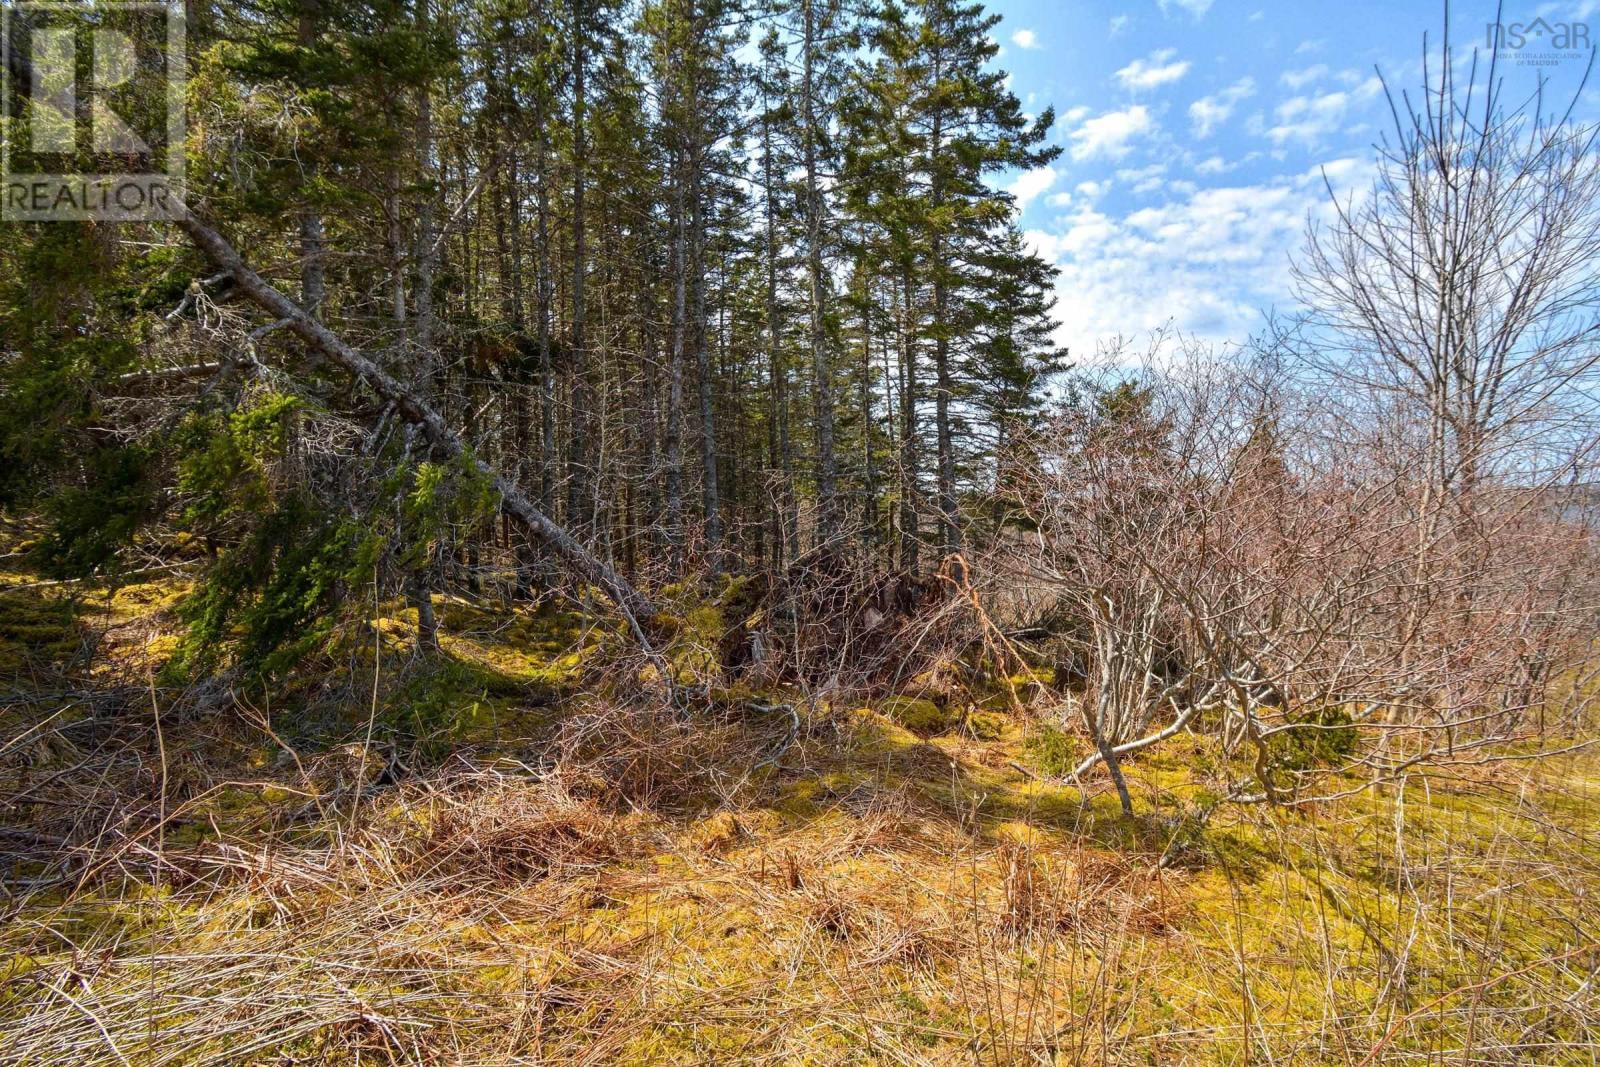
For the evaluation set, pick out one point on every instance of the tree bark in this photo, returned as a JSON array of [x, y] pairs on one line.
[[579, 488], [712, 497], [680, 270], [547, 384], [427, 363], [786, 522], [313, 284], [949, 521], [822, 374], [910, 537]]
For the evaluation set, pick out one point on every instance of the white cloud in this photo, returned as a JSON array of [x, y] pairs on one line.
[[1030, 184], [1143, 180], [1206, 260], [1305, 48], [1299, 79], [1025, 39], [1138, 174], [1075, 115], [1575, 13], [1092, 189], [1197, 8], [1061, 199], [1154, 71], [1213, 165], [1119, 23], [1308, 119], [1209, 112], [1108, 135]]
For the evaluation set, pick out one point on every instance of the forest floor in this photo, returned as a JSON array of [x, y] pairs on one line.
[[539, 875]]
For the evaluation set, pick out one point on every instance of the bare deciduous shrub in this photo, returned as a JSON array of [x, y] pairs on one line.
[[1222, 565]]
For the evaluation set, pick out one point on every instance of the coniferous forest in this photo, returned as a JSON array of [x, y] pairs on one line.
[[575, 539]]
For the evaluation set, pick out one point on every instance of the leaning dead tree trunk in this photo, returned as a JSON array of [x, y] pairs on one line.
[[409, 405]]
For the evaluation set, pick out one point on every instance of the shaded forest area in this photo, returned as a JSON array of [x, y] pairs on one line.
[[576, 543]]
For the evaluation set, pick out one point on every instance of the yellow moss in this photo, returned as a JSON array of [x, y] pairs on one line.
[[162, 647], [1021, 833], [716, 832], [875, 733], [989, 725], [147, 598], [893, 944], [920, 716]]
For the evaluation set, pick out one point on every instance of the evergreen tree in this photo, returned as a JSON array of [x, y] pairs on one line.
[[626, 264]]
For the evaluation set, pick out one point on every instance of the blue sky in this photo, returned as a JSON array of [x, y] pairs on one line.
[[1196, 134]]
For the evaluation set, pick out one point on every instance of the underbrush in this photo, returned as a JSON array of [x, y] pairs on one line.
[[507, 857]]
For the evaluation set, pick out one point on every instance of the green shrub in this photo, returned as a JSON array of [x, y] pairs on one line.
[[1322, 738], [1054, 750]]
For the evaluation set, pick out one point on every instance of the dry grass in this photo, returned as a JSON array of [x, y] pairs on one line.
[[625, 885]]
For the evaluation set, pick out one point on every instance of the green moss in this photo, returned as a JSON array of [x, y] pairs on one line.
[[922, 717], [37, 630], [988, 725]]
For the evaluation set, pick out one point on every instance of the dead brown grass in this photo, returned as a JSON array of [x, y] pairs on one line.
[[622, 883]]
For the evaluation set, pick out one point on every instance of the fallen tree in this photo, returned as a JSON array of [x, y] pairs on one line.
[[407, 403]]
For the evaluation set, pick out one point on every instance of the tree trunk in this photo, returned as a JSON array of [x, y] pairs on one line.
[[821, 370], [313, 281], [786, 519], [708, 423], [949, 527], [910, 538], [869, 471], [581, 448], [421, 598], [547, 385], [680, 270]]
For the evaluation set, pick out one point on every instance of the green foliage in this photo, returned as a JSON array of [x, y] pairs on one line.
[[325, 144], [73, 306], [1320, 739], [270, 601], [225, 459], [1052, 749], [434, 497], [1127, 403], [278, 593], [435, 706], [89, 524], [62, 337]]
